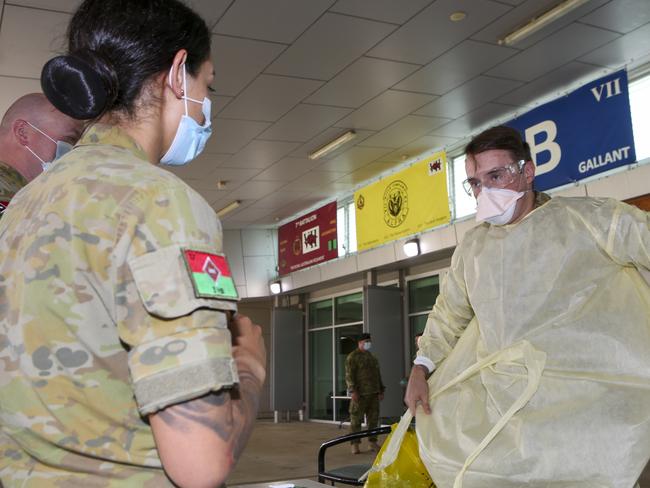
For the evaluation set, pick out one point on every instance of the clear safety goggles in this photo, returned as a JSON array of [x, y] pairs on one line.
[[499, 177]]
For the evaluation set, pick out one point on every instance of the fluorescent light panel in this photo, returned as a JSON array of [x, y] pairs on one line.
[[331, 146], [228, 208], [543, 20]]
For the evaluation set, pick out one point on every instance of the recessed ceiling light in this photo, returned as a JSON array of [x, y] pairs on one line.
[[457, 16]]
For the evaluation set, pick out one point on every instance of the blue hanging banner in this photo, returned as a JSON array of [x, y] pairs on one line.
[[581, 134]]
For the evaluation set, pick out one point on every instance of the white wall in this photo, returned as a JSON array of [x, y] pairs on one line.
[[252, 255]]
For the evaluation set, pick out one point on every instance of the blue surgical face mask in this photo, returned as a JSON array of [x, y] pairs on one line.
[[62, 148], [190, 137]]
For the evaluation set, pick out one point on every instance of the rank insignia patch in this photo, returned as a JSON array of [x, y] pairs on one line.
[[210, 275]]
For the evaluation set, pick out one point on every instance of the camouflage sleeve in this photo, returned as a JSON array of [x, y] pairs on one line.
[[349, 373], [180, 345]]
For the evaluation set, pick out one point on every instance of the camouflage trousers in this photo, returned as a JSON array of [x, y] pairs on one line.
[[368, 405]]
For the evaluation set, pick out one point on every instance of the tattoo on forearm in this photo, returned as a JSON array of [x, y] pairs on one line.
[[228, 413], [202, 411]]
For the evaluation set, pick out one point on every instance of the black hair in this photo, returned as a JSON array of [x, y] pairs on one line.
[[115, 47], [500, 137]]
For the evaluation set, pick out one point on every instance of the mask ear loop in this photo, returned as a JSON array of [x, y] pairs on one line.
[[185, 89], [39, 130], [169, 81]]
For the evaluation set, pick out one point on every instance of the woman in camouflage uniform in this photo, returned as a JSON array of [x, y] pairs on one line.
[[118, 365]]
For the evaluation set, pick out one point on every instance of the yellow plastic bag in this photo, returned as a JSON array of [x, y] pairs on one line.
[[406, 472]]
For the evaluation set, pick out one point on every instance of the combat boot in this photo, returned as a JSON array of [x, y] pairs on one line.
[[355, 449], [374, 446]]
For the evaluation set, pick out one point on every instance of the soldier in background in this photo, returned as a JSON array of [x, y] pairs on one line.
[[363, 379], [33, 134]]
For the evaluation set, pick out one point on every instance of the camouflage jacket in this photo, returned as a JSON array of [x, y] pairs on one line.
[[10, 182], [362, 373], [103, 316]]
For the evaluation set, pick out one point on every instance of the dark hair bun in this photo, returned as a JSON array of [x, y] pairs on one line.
[[82, 89]]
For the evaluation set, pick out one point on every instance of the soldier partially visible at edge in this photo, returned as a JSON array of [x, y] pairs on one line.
[[120, 362], [363, 379], [33, 134]]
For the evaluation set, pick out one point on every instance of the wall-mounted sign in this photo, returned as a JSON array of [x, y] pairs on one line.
[[308, 240], [582, 134], [404, 203]]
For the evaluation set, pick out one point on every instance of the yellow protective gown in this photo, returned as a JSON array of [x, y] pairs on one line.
[[549, 385]]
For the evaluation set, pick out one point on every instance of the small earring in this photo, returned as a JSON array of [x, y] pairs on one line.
[[182, 92]]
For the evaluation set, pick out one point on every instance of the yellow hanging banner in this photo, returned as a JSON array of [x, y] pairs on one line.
[[403, 203]]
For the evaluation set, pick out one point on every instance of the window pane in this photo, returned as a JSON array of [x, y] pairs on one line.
[[639, 103], [320, 314], [349, 308], [352, 228], [417, 323], [340, 230], [346, 339], [423, 293], [320, 374], [464, 204]]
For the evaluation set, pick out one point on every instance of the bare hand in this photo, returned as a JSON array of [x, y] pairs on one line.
[[381, 397], [248, 349], [417, 391], [355, 397]]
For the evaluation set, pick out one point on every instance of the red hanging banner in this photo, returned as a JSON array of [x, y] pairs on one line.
[[308, 240]]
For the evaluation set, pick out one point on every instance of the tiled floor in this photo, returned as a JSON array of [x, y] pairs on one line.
[[290, 450]]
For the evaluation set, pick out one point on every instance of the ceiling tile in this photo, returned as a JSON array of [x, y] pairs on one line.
[[468, 97], [417, 147], [353, 159], [251, 214], [260, 154], [203, 166], [238, 61], [304, 122], [366, 173], [383, 10], [230, 136], [68, 6], [287, 169], [385, 109], [361, 81], [218, 103], [405, 131], [565, 45], [255, 189], [626, 49], [327, 136], [455, 67], [314, 179], [210, 194], [14, 88], [277, 21], [280, 199], [474, 122], [332, 43], [556, 80], [210, 10], [620, 15], [430, 33], [269, 97], [24, 50]]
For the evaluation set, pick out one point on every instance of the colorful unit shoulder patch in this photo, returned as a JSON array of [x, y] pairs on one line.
[[210, 275]]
